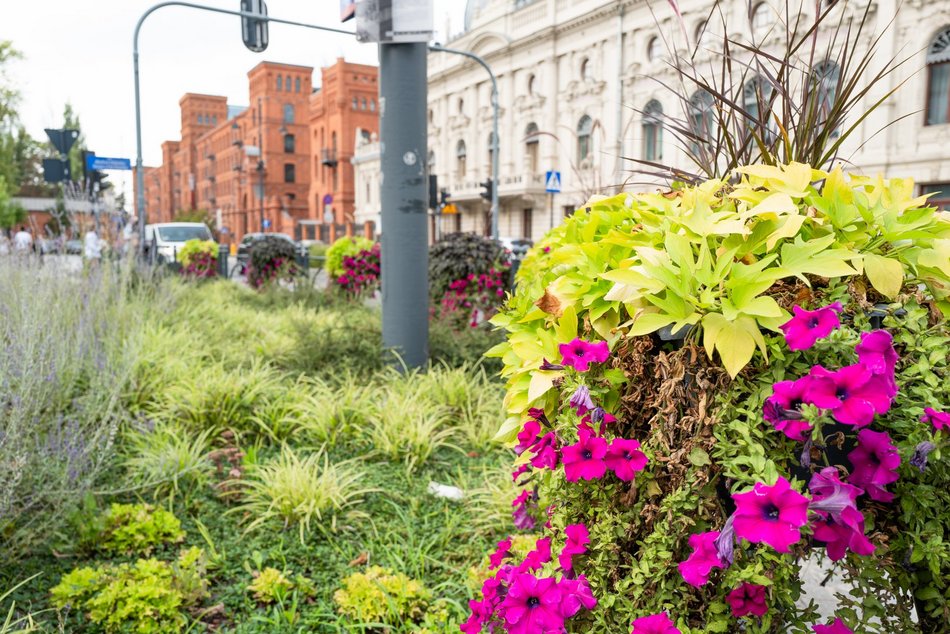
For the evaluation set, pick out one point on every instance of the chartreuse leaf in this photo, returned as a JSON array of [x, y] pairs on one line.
[[566, 329], [816, 258], [541, 382], [885, 274], [735, 340]]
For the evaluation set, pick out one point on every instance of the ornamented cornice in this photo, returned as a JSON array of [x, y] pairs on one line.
[[577, 89]]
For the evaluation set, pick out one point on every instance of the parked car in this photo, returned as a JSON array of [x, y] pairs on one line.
[[73, 247], [163, 241], [244, 248], [517, 246]]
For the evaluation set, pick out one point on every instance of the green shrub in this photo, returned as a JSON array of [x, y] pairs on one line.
[[303, 491], [271, 585], [167, 459], [132, 529], [199, 258], [460, 255], [271, 259], [147, 597], [381, 595], [343, 247]]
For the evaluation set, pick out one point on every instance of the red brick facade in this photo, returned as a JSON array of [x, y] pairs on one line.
[[215, 165]]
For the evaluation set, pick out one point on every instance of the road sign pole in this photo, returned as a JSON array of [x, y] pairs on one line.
[[405, 282], [551, 208]]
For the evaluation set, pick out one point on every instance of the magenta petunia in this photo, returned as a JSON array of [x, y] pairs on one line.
[[940, 420], [528, 436], [695, 570], [838, 627], [808, 326], [748, 598], [523, 520], [783, 408], [532, 605], [853, 394], [545, 452], [502, 551], [580, 400], [537, 557], [625, 459], [579, 354], [842, 534], [575, 594], [876, 352], [830, 494], [772, 515], [481, 613], [875, 461], [576, 542], [655, 624], [584, 460]]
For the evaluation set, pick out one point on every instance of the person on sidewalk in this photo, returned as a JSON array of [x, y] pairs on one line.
[[22, 242], [92, 248]]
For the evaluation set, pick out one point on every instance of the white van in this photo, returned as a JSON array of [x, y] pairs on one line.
[[166, 239]]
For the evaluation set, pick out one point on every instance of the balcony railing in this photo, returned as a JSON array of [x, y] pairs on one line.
[[328, 157]]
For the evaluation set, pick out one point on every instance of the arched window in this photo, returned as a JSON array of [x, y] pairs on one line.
[[288, 113], [584, 129], [290, 173], [938, 78], [280, 83], [701, 118], [585, 69], [214, 119], [356, 103], [288, 84], [297, 84], [372, 105], [704, 36], [460, 156], [825, 78], [761, 18], [363, 106], [290, 144], [654, 49], [653, 131], [531, 143]]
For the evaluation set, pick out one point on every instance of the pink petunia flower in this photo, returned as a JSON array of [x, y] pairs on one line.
[[830, 494], [748, 598], [625, 459], [545, 452], [876, 352], [579, 354], [584, 460], [532, 605], [576, 544], [853, 394], [575, 594], [537, 557], [580, 400], [771, 514], [783, 408], [808, 326], [503, 550], [845, 533], [481, 613], [520, 471], [838, 627], [695, 570], [939, 420], [875, 461], [655, 624], [528, 436], [523, 520]]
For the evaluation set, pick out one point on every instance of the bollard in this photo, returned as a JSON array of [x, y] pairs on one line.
[[517, 254], [223, 252]]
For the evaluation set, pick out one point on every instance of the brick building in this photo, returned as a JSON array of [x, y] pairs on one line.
[[345, 102]]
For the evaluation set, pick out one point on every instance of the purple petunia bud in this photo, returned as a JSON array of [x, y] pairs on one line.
[[547, 365], [597, 415], [726, 542], [919, 459], [806, 453], [580, 400]]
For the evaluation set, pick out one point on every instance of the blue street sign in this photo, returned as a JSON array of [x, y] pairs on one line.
[[552, 182], [266, 223], [103, 163]]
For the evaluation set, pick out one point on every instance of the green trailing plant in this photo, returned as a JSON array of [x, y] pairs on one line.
[[130, 529], [342, 248], [273, 586], [382, 596], [460, 255], [199, 258], [148, 596], [308, 492], [271, 260]]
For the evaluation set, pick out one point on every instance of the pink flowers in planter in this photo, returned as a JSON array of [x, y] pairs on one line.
[[579, 354], [808, 326], [584, 460], [853, 394], [838, 627], [939, 420], [875, 462], [625, 459], [655, 624], [748, 598], [576, 544], [695, 570], [773, 515]]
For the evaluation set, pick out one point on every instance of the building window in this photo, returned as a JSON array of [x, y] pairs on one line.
[[460, 156], [200, 119], [705, 38], [461, 106], [290, 144], [363, 104], [430, 161], [761, 18], [531, 144], [825, 78], [372, 105], [654, 50], [214, 119], [653, 131], [941, 195], [701, 119], [584, 129], [938, 79], [526, 216], [288, 113], [756, 101], [280, 83], [290, 173], [356, 103], [288, 84], [585, 69], [297, 84]]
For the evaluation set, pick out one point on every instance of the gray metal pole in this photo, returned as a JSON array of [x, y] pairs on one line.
[[402, 90], [260, 158], [494, 150], [140, 195]]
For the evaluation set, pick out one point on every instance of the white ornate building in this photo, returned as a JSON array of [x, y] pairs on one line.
[[576, 76]]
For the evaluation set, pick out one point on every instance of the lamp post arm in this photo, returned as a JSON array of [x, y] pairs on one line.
[[140, 194], [494, 150]]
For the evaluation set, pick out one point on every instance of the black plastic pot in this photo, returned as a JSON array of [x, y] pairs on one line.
[[840, 440]]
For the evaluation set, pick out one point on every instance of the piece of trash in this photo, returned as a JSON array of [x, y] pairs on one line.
[[445, 491]]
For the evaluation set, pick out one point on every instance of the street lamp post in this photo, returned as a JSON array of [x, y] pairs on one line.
[[140, 195], [260, 158], [494, 144]]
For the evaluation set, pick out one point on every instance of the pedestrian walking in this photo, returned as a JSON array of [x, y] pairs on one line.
[[22, 242], [92, 248]]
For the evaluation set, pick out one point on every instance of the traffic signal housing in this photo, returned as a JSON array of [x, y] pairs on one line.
[[487, 187]]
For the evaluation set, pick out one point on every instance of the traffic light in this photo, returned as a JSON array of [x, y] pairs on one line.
[[433, 191], [444, 198], [487, 187]]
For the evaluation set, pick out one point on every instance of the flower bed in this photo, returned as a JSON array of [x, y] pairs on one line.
[[199, 259]]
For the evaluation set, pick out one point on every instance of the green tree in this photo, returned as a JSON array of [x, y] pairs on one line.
[[71, 122], [11, 213]]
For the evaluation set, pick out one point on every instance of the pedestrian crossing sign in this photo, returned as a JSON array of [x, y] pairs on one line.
[[552, 182]]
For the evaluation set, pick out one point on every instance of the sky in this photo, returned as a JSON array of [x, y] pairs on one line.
[[81, 52]]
